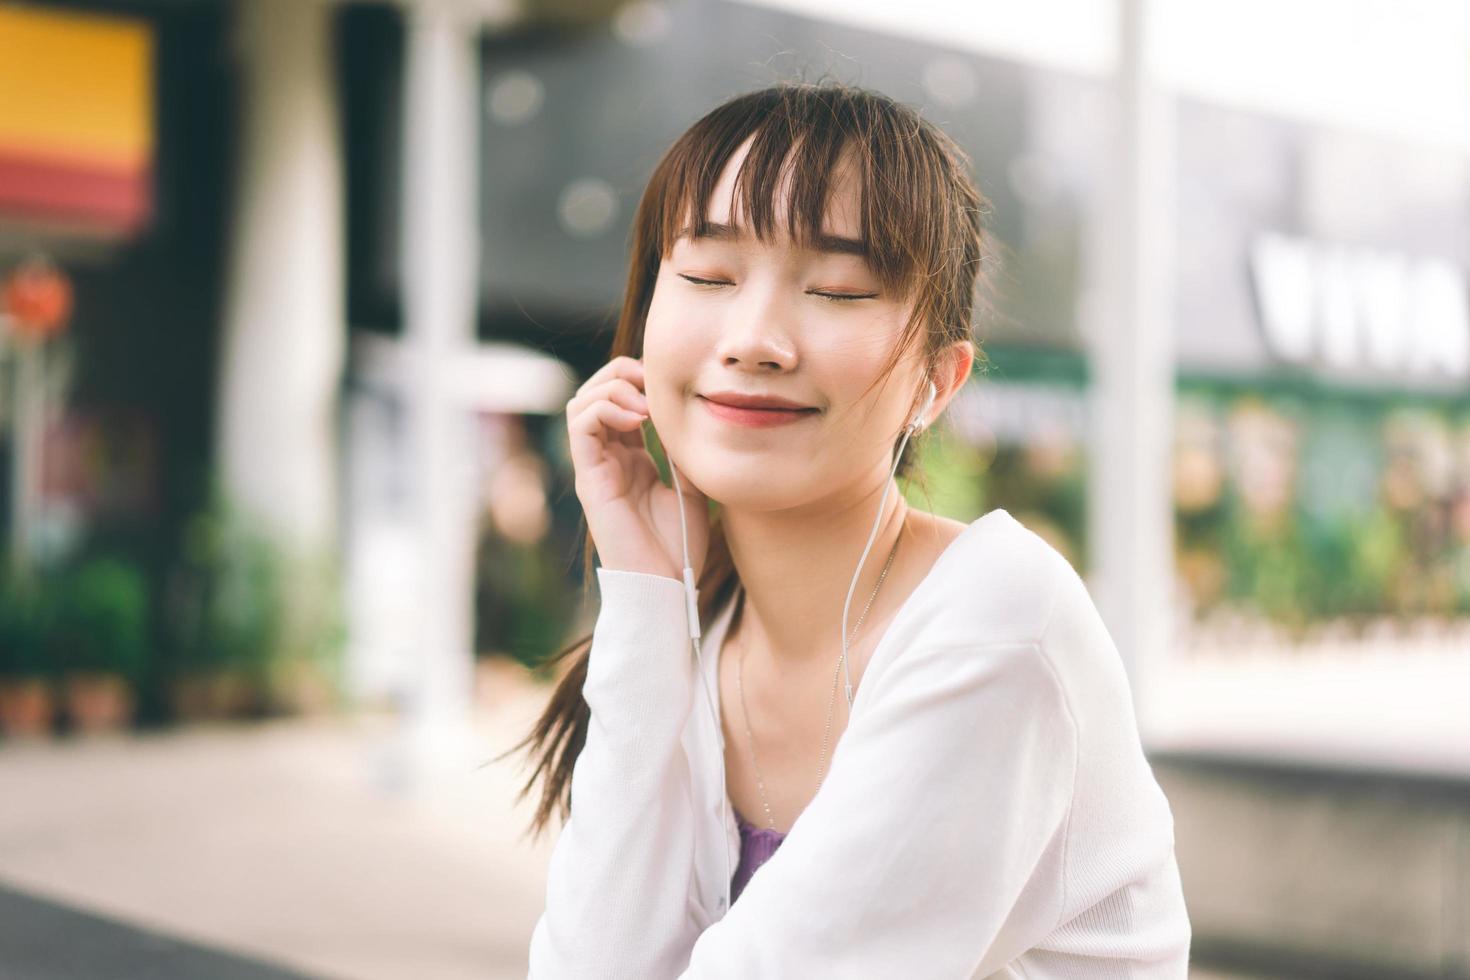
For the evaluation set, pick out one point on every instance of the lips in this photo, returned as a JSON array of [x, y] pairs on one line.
[[739, 399], [755, 417]]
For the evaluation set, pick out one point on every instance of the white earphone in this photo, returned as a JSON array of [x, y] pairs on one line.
[[691, 594], [918, 422]]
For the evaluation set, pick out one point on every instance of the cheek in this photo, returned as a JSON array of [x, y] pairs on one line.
[[849, 361], [670, 351], [866, 406], [676, 329]]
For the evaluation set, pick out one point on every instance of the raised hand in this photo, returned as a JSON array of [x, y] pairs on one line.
[[632, 516]]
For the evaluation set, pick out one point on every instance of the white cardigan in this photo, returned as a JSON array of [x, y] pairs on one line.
[[988, 811]]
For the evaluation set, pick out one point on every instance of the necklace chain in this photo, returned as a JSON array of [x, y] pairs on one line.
[[740, 683]]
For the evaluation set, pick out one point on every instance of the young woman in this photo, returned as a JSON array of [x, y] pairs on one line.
[[925, 764]]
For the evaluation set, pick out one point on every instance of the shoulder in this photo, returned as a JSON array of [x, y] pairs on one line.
[[995, 582], [1027, 591], [1009, 585]]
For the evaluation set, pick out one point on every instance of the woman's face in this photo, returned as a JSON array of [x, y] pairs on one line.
[[730, 314]]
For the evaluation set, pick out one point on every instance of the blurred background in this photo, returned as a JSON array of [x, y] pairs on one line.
[[292, 294]]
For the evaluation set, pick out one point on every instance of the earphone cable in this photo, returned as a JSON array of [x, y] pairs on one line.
[[691, 594]]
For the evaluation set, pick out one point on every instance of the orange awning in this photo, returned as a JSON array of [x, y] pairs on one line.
[[76, 119]]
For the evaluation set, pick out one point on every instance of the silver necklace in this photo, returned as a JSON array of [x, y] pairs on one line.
[[740, 683]]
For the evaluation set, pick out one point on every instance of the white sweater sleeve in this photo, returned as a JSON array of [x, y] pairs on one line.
[[936, 846], [619, 895]]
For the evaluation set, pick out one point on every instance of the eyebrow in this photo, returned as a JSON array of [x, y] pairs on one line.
[[833, 244]]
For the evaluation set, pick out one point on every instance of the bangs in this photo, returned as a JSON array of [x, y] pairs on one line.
[[804, 133]]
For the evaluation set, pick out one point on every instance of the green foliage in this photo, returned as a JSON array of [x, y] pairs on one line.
[[1333, 505], [24, 616], [946, 477], [226, 607], [523, 604], [238, 602], [99, 621]]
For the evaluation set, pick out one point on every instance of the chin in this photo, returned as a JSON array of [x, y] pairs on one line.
[[747, 487]]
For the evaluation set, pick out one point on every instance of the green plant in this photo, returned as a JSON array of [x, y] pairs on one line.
[[225, 595], [24, 614], [242, 603], [101, 618]]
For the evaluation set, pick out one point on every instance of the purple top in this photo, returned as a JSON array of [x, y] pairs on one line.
[[757, 844]]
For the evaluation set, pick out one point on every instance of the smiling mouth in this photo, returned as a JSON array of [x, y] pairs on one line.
[[755, 417], [760, 408]]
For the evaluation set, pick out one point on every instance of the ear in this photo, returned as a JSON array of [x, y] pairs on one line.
[[951, 370]]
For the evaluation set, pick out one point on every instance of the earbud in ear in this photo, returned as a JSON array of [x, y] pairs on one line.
[[917, 423]]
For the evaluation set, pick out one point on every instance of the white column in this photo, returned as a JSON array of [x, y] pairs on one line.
[[1130, 337], [284, 335], [440, 283]]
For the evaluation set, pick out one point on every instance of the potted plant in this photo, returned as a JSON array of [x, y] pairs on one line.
[[224, 609], [306, 670], [100, 635], [27, 697]]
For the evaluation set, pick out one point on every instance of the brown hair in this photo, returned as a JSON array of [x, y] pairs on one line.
[[922, 217]]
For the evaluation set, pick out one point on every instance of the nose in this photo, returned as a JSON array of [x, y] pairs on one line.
[[758, 330]]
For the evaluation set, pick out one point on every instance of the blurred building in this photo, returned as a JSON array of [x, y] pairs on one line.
[[347, 262]]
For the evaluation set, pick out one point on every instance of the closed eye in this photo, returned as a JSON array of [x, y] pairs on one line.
[[834, 297], [702, 282], [844, 297]]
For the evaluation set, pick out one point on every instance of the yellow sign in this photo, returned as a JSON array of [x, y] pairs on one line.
[[76, 116]]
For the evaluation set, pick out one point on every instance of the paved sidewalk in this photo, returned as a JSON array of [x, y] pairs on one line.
[[287, 840]]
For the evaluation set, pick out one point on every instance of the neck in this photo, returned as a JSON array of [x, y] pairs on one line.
[[796, 568]]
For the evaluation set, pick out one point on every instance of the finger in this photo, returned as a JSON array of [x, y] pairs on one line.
[[623, 366], [619, 390], [629, 368], [590, 430], [589, 393]]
